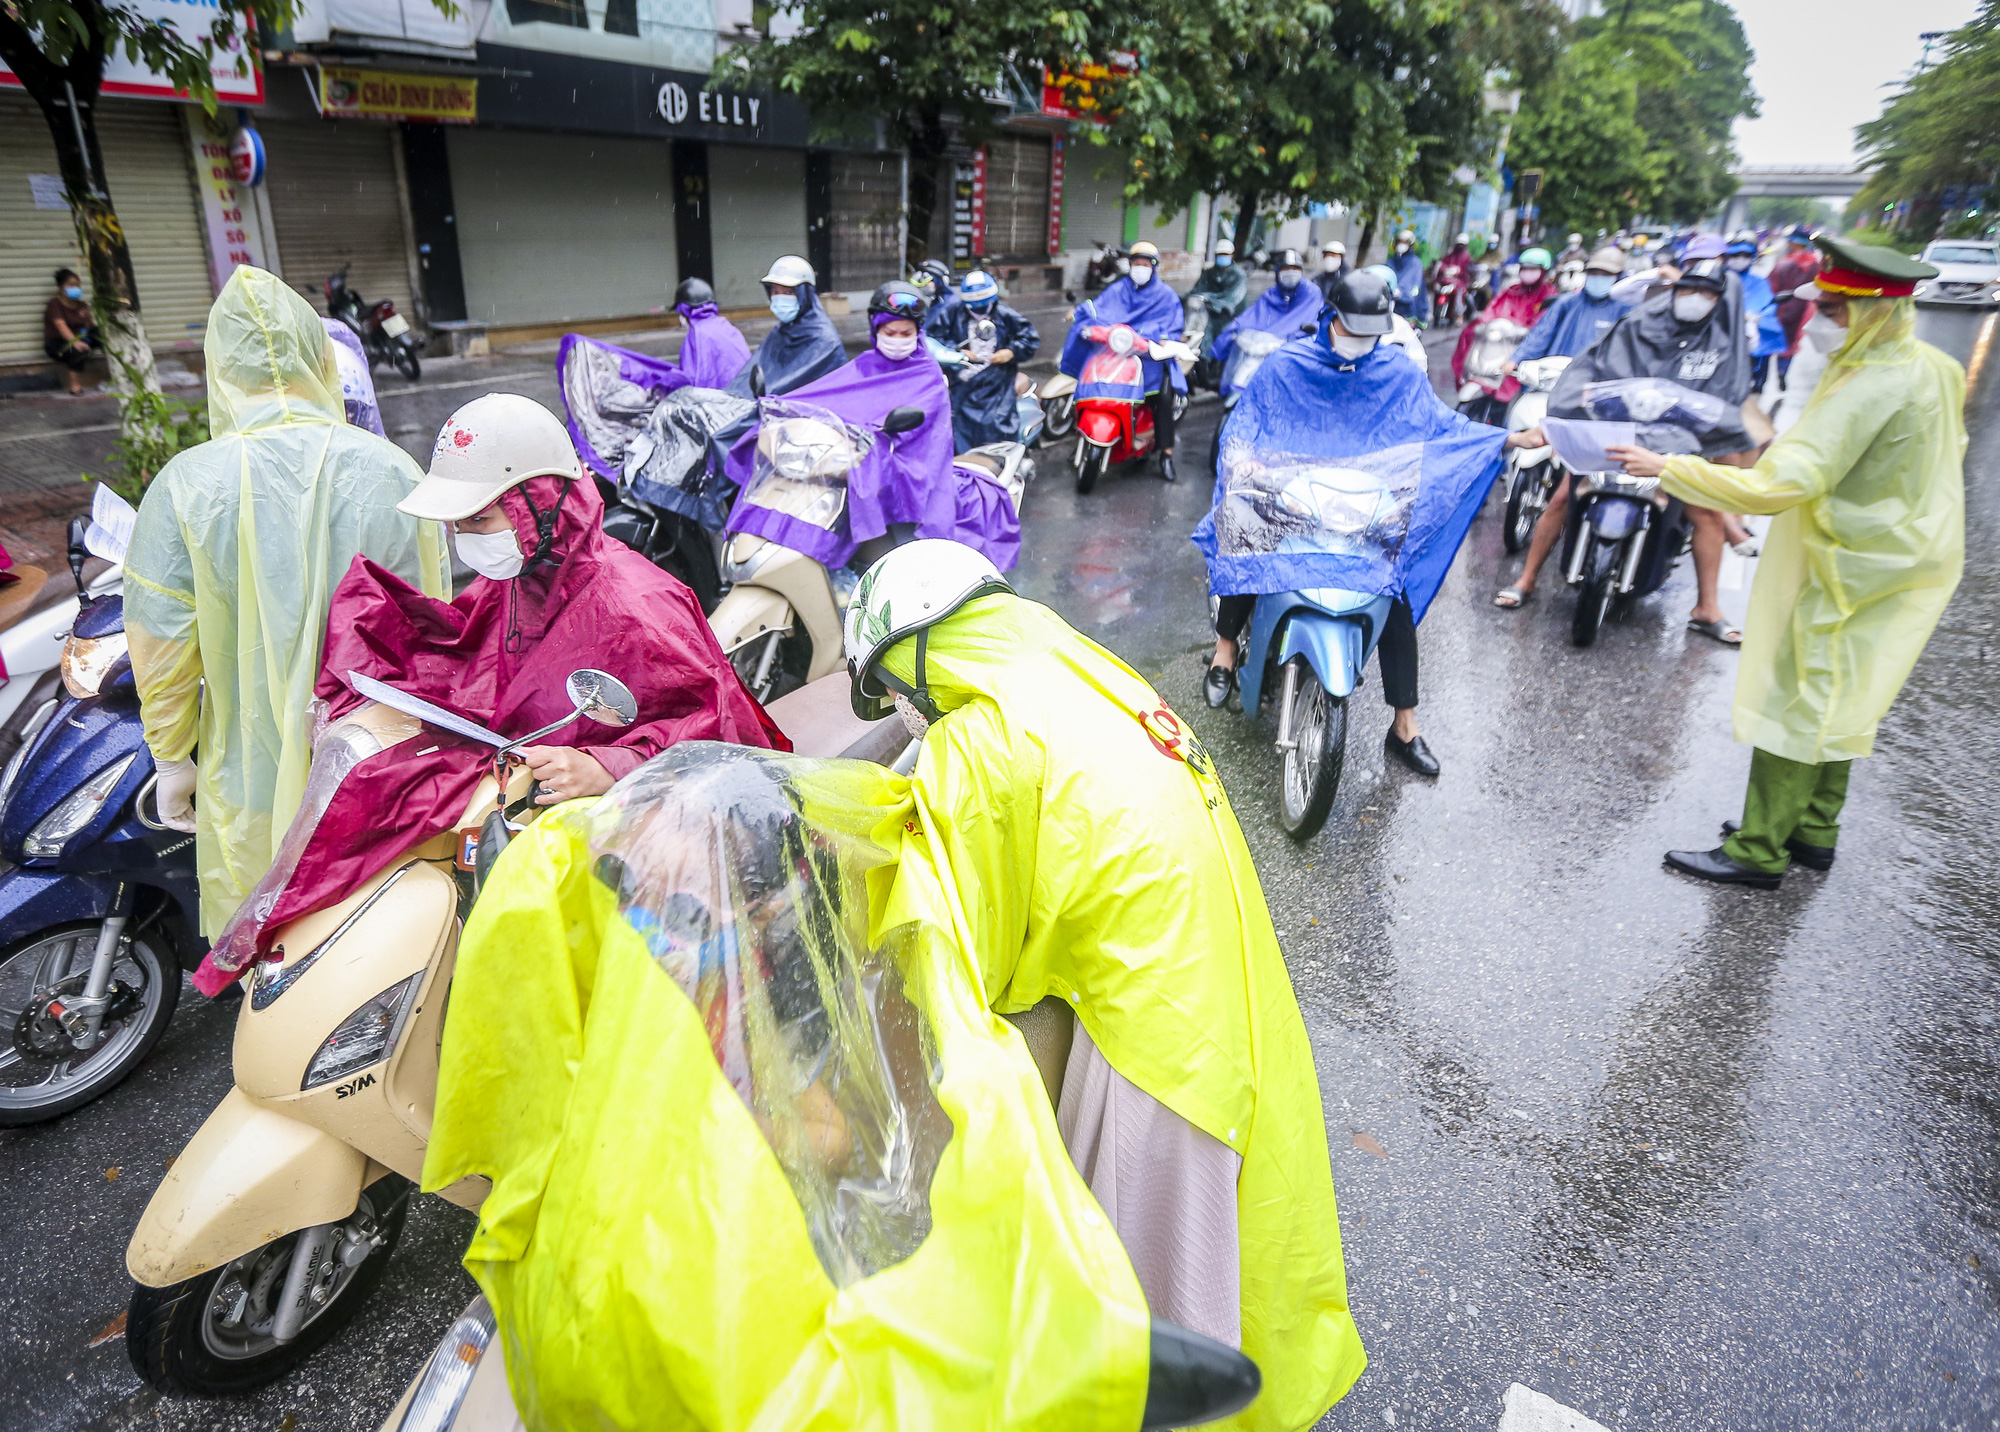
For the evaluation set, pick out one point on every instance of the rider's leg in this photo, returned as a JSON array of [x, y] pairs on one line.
[[1163, 416], [1396, 656], [1709, 536], [1548, 531], [1232, 614]]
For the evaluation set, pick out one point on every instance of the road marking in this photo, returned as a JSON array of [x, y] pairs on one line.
[[1526, 1410], [61, 433]]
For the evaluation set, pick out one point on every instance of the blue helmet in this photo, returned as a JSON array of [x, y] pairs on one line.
[[978, 288], [1385, 272]]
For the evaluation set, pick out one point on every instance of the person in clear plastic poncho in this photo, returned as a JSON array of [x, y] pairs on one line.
[[1865, 550], [238, 546], [1082, 838], [755, 1164]]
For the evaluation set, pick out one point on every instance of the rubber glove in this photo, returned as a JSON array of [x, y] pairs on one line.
[[175, 793]]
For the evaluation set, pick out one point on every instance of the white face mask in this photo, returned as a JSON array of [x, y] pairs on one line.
[[896, 349], [1142, 274], [1402, 248], [1824, 334], [1289, 278], [1598, 285], [1693, 307], [1350, 346], [1330, 264], [913, 719], [491, 554], [1740, 264]]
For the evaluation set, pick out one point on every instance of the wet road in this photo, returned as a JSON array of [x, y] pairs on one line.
[[1680, 1158]]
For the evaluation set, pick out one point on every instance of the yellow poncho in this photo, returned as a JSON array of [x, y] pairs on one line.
[[238, 546], [1867, 545]]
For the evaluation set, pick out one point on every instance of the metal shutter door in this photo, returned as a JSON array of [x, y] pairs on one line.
[[335, 204], [147, 165], [1093, 194], [555, 228], [1165, 233], [1017, 197], [867, 220], [759, 212]]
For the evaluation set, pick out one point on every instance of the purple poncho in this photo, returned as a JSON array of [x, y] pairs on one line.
[[1152, 312], [713, 352], [608, 393]]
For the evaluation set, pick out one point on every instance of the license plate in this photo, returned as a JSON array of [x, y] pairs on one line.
[[468, 847], [395, 325]]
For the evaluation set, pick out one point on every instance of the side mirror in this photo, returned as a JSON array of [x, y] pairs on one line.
[[1195, 1379], [79, 552], [903, 420], [602, 697], [756, 380]]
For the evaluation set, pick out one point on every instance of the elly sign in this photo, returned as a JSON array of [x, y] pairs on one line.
[[349, 93], [723, 107]]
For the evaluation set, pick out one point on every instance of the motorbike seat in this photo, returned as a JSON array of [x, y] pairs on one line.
[[18, 597]]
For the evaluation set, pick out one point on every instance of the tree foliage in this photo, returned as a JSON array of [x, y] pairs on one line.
[[1940, 132], [1636, 118]]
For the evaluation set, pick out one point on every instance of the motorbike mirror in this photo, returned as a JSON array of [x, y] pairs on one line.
[[602, 697], [756, 380], [1195, 1379], [903, 420], [79, 552]]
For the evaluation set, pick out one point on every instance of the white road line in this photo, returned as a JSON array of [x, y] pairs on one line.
[[1526, 1410]]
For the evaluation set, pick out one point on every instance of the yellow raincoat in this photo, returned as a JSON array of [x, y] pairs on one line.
[[239, 544], [1079, 832], [1867, 544], [753, 1169]]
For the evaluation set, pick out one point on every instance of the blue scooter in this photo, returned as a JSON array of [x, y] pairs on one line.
[[100, 912], [1312, 645]]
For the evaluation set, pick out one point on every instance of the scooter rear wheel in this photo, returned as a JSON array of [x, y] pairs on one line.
[[211, 1335], [34, 1086], [1310, 774]]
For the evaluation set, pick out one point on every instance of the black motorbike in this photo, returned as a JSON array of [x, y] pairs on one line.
[[384, 333], [1623, 538]]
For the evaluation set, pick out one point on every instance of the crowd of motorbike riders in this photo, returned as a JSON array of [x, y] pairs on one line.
[[1052, 846]]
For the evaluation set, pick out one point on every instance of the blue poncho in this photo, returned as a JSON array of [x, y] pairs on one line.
[[982, 402], [1276, 310], [1349, 475], [1570, 325], [1152, 312], [1413, 296], [794, 354], [1761, 307]]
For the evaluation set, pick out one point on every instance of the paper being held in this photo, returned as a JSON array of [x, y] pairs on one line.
[[1581, 444]]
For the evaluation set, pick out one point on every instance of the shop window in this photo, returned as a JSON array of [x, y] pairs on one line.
[[559, 12], [621, 17]]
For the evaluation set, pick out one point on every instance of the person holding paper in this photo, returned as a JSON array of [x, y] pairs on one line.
[[1866, 547]]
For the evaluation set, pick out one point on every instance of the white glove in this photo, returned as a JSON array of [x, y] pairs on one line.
[[1162, 352], [174, 795]]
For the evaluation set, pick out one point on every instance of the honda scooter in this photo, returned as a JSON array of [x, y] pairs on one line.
[[1623, 537], [1532, 475], [1114, 420], [100, 911], [384, 333]]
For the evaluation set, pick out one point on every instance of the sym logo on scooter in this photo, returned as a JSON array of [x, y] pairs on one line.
[[342, 1091]]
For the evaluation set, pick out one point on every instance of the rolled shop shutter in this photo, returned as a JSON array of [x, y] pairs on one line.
[[1093, 194], [867, 220], [335, 204], [758, 212], [149, 167], [1017, 198]]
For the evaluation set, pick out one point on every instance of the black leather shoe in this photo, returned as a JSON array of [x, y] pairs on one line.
[[1716, 866], [1216, 686], [1813, 857], [1167, 472], [1414, 753]]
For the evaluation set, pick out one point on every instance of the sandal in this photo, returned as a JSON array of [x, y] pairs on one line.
[[1748, 547], [1510, 599], [1718, 631]]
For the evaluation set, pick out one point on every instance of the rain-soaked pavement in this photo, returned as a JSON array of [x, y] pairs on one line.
[[1679, 1157]]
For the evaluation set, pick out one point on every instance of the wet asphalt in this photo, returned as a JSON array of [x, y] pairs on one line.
[[1679, 1157]]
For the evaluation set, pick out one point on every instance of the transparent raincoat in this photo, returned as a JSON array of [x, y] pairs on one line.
[[757, 1164], [237, 549], [1867, 544]]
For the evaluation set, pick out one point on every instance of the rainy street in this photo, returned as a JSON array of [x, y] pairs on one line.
[[1679, 1157]]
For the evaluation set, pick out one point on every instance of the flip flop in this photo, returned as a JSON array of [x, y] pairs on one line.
[[1717, 631], [1519, 599]]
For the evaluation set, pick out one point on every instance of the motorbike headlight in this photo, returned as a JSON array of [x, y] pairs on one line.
[[78, 810], [85, 659], [365, 1037], [1123, 340]]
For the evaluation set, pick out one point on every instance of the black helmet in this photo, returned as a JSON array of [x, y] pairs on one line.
[[1710, 275], [694, 292], [897, 299], [1290, 258], [1364, 302]]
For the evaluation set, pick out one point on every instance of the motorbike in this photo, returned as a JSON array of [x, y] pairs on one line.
[[1451, 300], [1247, 353], [1532, 475], [1114, 420], [1623, 538], [1057, 395], [100, 909], [1494, 344], [384, 333], [1206, 315], [1107, 265], [1569, 276], [270, 1230]]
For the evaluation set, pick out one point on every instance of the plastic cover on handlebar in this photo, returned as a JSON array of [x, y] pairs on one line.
[[675, 459], [1289, 504], [804, 455]]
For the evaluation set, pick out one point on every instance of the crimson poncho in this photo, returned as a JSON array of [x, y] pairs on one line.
[[498, 655]]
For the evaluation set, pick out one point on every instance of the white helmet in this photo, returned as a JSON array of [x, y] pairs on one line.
[[1224, 248], [489, 445], [1334, 246], [791, 271], [1463, 239], [1576, 240], [913, 588]]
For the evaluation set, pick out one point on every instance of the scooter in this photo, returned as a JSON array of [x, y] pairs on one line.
[[1532, 475], [1247, 352], [1057, 395], [384, 333], [1479, 395], [1114, 420], [1451, 301], [1623, 537], [100, 909], [279, 1218]]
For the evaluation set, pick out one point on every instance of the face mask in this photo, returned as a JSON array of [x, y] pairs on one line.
[[72, 292], [1530, 277], [1693, 307], [913, 719], [895, 349], [1142, 274], [1351, 347], [1402, 248], [491, 554], [1330, 264], [1289, 279], [1824, 334], [1598, 285], [1740, 264], [785, 306]]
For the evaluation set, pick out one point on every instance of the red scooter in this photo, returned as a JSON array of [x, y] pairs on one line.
[[1114, 422]]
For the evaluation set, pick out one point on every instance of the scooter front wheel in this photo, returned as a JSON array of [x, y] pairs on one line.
[[1060, 419], [1600, 585], [405, 359], [42, 1074], [1090, 466], [1525, 505], [221, 1332], [1312, 766]]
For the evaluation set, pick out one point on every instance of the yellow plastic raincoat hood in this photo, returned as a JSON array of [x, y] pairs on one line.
[[238, 546], [1077, 829], [1867, 544], [753, 1168]]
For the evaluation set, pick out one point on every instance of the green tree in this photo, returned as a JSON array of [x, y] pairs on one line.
[[1940, 132]]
